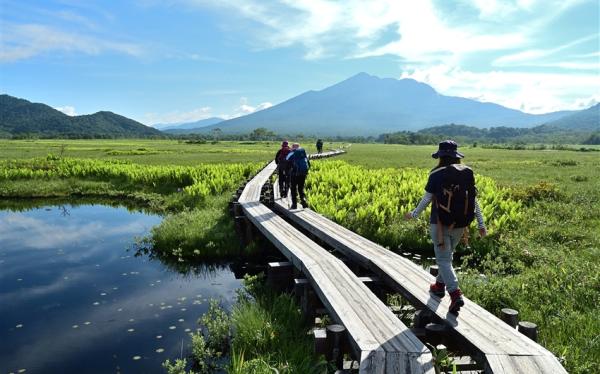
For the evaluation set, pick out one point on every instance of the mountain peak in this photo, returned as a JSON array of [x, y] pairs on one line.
[[407, 85]]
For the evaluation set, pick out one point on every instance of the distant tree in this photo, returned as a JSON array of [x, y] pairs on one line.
[[262, 133], [593, 139], [216, 133]]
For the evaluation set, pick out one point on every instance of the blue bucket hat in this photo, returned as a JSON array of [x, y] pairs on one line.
[[447, 148]]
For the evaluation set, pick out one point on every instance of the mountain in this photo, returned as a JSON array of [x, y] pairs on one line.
[[584, 120], [189, 127], [368, 105], [21, 117]]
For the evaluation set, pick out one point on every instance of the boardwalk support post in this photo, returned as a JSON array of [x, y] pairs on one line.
[[434, 333], [309, 302], [237, 209], [510, 316], [422, 318], [299, 286], [248, 232], [320, 335], [529, 329], [335, 341], [433, 270], [279, 275]]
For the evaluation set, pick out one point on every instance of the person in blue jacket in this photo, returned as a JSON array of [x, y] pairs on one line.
[[299, 165]]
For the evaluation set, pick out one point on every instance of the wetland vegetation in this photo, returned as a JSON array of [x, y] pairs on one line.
[[542, 259]]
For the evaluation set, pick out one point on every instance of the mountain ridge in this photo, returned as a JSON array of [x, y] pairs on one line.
[[188, 125], [367, 105], [20, 117]]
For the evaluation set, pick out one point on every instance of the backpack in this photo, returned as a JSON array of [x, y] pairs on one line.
[[300, 161], [455, 200], [280, 157]]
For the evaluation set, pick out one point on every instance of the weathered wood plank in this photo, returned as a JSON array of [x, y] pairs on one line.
[[482, 329], [372, 327]]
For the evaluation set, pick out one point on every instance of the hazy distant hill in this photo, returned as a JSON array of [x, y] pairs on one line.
[[174, 128], [193, 127], [588, 120], [368, 105], [20, 117]]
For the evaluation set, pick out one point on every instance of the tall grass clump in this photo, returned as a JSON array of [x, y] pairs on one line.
[[269, 330], [264, 333]]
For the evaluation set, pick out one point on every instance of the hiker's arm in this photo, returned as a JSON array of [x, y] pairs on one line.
[[421, 206], [479, 217]]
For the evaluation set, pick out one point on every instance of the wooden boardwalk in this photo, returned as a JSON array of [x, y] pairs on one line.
[[502, 348], [378, 338]]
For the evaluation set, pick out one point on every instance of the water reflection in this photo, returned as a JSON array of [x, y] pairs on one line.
[[74, 297]]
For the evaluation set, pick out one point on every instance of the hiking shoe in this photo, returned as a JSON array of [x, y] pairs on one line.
[[456, 301], [438, 289], [294, 206]]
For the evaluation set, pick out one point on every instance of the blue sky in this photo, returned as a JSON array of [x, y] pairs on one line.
[[182, 60]]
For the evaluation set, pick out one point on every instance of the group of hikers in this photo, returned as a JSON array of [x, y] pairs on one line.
[[450, 189], [292, 168]]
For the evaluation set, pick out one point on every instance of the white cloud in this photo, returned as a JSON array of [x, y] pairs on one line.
[[526, 91], [353, 27], [19, 42], [68, 110], [244, 108]]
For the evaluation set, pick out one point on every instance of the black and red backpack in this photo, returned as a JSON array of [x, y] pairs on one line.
[[455, 199]]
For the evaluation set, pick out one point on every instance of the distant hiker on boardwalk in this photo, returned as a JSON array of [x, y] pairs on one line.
[[451, 188], [283, 168], [319, 146], [299, 165]]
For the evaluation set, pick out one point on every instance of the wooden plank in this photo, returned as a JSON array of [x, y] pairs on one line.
[[372, 327], [505, 364], [479, 327], [369, 322]]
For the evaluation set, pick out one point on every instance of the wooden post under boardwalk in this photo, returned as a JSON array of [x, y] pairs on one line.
[[529, 329], [421, 318], [309, 302], [433, 270], [434, 333], [320, 335], [299, 286], [510, 316], [280, 274], [335, 344]]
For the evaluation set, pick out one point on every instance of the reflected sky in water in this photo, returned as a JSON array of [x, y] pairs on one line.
[[73, 298]]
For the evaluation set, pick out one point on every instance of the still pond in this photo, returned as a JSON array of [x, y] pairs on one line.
[[75, 299]]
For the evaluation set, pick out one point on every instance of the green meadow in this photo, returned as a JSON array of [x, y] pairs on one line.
[[544, 264]]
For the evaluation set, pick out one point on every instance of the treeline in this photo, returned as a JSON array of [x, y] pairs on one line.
[[263, 134], [502, 135], [51, 135]]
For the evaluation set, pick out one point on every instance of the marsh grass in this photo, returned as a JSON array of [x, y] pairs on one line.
[[269, 328], [205, 232], [546, 266]]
